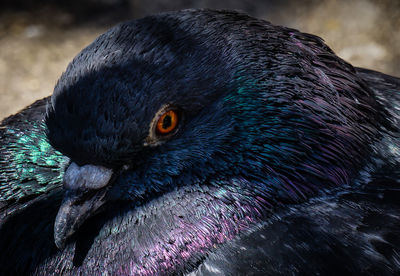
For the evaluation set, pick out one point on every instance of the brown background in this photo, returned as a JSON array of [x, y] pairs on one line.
[[39, 38]]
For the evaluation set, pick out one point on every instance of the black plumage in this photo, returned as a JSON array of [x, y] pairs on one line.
[[281, 158]]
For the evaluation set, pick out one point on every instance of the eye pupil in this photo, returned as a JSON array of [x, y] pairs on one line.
[[167, 122]]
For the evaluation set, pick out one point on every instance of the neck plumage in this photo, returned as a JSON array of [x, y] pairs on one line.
[[169, 234]]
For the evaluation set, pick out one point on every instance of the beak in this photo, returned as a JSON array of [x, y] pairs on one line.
[[86, 187]]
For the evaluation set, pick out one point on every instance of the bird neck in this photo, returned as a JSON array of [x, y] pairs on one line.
[[175, 231]]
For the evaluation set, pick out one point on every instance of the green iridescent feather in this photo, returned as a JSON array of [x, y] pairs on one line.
[[29, 166]]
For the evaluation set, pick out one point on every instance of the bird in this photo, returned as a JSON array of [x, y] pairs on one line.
[[204, 142]]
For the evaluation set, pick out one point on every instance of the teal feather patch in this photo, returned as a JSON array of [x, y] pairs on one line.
[[30, 166]]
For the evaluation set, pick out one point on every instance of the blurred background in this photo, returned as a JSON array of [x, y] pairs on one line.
[[38, 38]]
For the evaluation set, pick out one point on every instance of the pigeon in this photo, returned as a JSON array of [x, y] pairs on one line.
[[202, 142]]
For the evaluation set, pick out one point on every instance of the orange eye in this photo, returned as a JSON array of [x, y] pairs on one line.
[[167, 122]]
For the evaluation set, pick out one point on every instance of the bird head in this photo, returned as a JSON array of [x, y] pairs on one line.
[[201, 98]]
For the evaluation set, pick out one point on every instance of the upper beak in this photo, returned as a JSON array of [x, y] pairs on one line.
[[86, 187]]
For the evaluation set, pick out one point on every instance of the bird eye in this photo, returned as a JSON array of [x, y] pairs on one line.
[[167, 122]]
